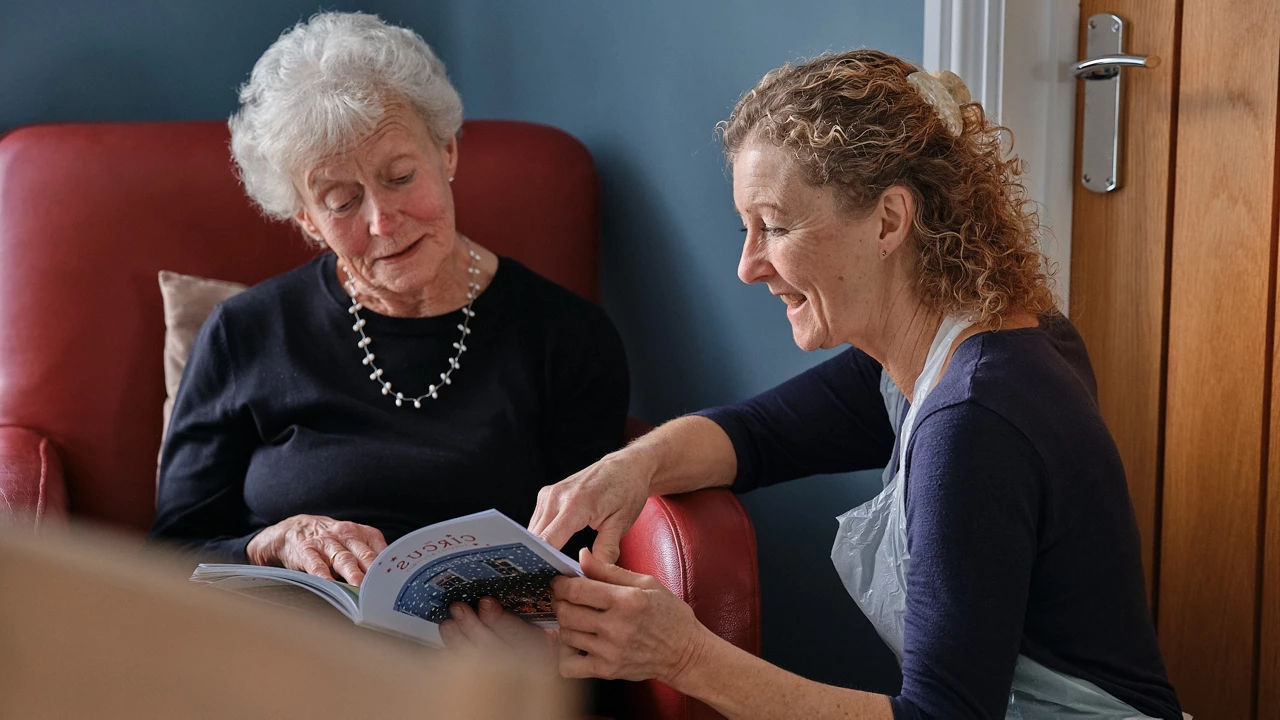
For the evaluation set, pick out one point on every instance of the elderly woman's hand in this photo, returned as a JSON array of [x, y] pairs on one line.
[[490, 628], [318, 545], [607, 495], [616, 624]]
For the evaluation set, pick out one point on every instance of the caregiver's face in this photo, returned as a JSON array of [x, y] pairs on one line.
[[813, 255]]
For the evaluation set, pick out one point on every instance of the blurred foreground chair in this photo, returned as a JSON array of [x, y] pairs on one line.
[[94, 628], [89, 213]]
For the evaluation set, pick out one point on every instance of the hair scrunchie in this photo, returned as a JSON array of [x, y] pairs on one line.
[[946, 92]]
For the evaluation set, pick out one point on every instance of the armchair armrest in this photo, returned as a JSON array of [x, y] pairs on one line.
[[31, 479], [702, 547]]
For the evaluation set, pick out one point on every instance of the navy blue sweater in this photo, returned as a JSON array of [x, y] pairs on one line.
[[1019, 523], [276, 415]]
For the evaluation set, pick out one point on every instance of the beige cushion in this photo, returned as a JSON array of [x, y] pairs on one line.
[[188, 300]]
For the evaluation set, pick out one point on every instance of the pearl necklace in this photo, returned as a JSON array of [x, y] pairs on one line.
[[464, 328]]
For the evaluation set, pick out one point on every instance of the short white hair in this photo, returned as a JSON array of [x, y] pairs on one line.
[[321, 88]]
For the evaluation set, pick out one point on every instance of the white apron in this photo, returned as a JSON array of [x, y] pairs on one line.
[[870, 555]]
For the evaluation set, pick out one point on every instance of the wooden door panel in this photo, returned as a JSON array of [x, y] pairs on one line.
[[1119, 259], [1269, 626], [1269, 636], [1219, 344], [1174, 291]]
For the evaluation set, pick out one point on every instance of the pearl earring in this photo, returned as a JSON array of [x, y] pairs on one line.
[[450, 178]]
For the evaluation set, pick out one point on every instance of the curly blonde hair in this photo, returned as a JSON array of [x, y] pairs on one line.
[[852, 121]]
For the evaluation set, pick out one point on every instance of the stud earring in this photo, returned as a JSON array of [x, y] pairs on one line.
[[450, 178], [884, 253]]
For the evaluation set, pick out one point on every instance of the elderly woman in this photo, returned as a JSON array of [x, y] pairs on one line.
[[406, 376], [1001, 561]]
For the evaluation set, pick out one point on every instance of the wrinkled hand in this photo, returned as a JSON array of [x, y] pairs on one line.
[[628, 625], [318, 545], [490, 629], [607, 496]]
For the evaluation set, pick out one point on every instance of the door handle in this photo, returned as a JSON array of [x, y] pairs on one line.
[[1100, 140], [1108, 66]]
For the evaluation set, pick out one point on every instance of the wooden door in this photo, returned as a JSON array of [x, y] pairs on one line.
[[1173, 289]]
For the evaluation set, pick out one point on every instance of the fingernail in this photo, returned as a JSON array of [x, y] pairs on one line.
[[488, 604], [459, 610]]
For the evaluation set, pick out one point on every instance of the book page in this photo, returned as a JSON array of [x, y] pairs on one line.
[[254, 579], [413, 582], [285, 594]]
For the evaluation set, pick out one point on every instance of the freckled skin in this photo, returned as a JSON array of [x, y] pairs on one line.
[[846, 277], [820, 259]]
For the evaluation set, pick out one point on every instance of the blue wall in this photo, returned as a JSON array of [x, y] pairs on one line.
[[132, 59], [642, 84]]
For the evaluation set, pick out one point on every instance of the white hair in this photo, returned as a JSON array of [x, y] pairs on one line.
[[320, 89]]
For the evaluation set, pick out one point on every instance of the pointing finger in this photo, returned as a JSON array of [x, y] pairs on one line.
[[560, 529]]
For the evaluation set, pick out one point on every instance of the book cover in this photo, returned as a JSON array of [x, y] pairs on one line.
[[411, 584]]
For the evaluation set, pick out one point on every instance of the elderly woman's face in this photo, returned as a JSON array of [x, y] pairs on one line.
[[385, 206], [813, 255]]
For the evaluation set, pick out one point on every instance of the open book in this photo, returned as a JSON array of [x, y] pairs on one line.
[[412, 583]]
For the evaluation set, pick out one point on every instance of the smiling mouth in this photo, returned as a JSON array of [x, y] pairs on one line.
[[793, 300], [397, 255]]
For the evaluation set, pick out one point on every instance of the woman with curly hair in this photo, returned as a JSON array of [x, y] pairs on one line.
[[1001, 560]]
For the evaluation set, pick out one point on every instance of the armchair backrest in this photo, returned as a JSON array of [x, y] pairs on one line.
[[89, 213]]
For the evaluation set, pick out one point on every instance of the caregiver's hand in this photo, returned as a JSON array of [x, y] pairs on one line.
[[628, 625], [318, 545], [490, 628], [607, 496]]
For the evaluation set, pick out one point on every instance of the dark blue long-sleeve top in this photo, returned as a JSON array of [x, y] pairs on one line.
[[276, 415], [1019, 524]]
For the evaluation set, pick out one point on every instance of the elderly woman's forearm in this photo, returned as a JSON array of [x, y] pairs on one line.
[[688, 453], [740, 685]]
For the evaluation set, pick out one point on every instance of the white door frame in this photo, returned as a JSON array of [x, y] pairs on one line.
[[1016, 57]]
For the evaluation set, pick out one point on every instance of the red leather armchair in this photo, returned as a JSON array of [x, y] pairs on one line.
[[90, 212]]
